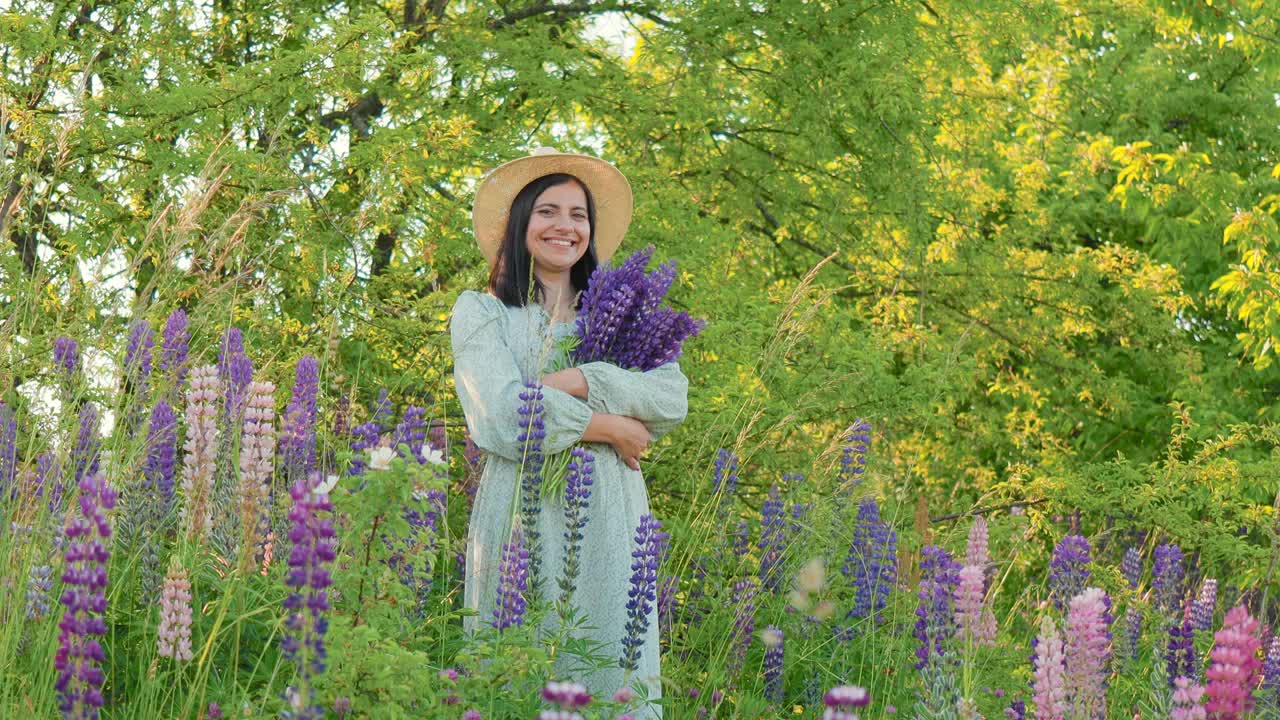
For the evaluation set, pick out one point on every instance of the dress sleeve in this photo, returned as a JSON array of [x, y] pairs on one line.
[[489, 382], [659, 398]]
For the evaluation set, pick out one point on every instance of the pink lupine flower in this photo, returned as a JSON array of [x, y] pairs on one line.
[[257, 461], [174, 639], [976, 552], [971, 610], [1234, 666], [204, 402], [1186, 700], [1049, 685], [1088, 649]]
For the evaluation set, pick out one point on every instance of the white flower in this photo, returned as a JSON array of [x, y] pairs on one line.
[[771, 637], [812, 577], [433, 456], [327, 486], [380, 458]]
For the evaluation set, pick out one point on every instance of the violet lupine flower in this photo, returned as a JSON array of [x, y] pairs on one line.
[[634, 342], [644, 585], [532, 433], [1017, 710], [236, 377], [1271, 671], [843, 702], [799, 513], [39, 584], [772, 529], [137, 371], [1068, 569], [411, 432], [312, 538], [8, 454], [298, 434], [577, 492], [1088, 650], [437, 436], [667, 586], [1166, 579], [872, 563], [66, 355], [257, 462], [1180, 653], [853, 457], [740, 539], [1050, 689], [49, 475], [513, 582], [472, 714], [174, 636], [84, 456], [935, 615], [1131, 567], [173, 349], [725, 481], [1186, 700], [411, 560], [85, 577], [366, 435], [1132, 633], [744, 621], [1202, 607], [1234, 666], [775, 643], [204, 398], [608, 301], [162, 445]]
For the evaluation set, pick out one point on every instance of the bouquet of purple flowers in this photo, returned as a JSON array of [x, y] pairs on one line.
[[623, 321]]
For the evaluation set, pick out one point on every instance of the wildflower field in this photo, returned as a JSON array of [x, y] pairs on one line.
[[981, 422]]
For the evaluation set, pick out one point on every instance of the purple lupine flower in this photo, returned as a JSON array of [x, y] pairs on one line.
[[644, 586], [725, 480], [513, 582], [667, 587], [1271, 672], [49, 475], [84, 456], [532, 433], [774, 642], [740, 539], [1131, 567], [411, 432], [843, 702], [772, 539], [313, 549], [1068, 570], [635, 343], [1202, 607], [853, 457], [235, 369], [609, 299], [1088, 650], [935, 615], [1180, 652], [39, 584], [173, 349], [1017, 710], [364, 437], [137, 371], [1132, 632], [298, 435], [872, 563], [1049, 686], [66, 358], [162, 441], [80, 655], [569, 696], [8, 454], [577, 491], [799, 513], [744, 622], [1166, 579], [410, 554], [1186, 700]]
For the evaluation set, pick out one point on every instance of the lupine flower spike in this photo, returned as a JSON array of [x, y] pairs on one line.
[[843, 702], [568, 697], [1050, 673], [313, 549], [1088, 650], [80, 655], [174, 636], [1068, 570], [1234, 666], [643, 592], [513, 582], [204, 400]]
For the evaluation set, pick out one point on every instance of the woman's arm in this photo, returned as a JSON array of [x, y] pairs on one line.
[[659, 398]]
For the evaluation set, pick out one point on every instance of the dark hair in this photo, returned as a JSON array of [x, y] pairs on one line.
[[512, 272]]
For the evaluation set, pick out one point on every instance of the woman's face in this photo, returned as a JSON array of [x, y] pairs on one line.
[[558, 228]]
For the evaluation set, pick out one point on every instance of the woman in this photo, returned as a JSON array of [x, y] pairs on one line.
[[544, 222]]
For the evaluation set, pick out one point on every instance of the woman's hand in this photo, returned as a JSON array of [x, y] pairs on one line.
[[631, 439], [570, 380], [628, 436]]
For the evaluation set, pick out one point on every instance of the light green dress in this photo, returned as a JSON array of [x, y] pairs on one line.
[[495, 348]]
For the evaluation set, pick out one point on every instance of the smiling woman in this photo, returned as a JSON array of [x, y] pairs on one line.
[[544, 222]]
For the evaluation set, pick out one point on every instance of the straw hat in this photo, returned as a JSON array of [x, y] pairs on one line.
[[609, 189]]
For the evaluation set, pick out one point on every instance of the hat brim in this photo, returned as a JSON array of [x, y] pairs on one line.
[[610, 192]]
